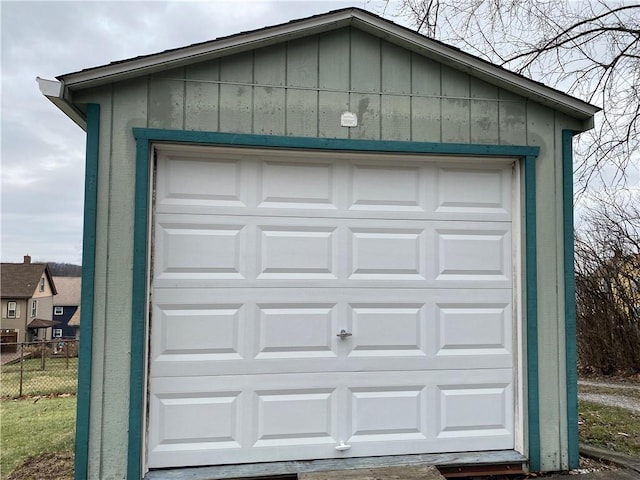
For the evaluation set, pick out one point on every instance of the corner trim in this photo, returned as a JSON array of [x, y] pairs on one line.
[[138, 311], [146, 136], [531, 288], [570, 298], [83, 409]]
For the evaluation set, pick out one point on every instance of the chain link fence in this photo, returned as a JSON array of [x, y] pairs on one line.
[[39, 368]]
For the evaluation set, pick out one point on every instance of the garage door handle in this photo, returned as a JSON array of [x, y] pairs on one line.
[[342, 447], [344, 334]]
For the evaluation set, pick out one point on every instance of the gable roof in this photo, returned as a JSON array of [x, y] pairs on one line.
[[19, 280], [60, 92], [68, 291], [74, 321]]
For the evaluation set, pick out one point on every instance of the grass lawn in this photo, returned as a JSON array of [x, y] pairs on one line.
[[612, 428], [33, 427], [57, 377]]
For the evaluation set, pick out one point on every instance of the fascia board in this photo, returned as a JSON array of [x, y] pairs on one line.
[[54, 91], [476, 67], [206, 51]]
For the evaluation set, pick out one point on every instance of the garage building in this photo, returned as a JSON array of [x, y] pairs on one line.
[[327, 239]]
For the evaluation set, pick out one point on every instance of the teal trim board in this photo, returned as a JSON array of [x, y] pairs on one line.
[[138, 309], [531, 308], [88, 274], [570, 298], [145, 137]]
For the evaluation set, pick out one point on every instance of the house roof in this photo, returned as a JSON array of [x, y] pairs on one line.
[[42, 323], [19, 280], [68, 291], [60, 92], [74, 321]]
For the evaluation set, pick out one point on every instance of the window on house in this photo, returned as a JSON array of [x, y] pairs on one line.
[[58, 310], [57, 333], [34, 308], [12, 307], [42, 284]]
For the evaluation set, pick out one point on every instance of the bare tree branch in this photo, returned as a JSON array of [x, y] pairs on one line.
[[589, 48]]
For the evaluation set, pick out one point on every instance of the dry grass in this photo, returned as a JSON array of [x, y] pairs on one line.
[[33, 427], [612, 428]]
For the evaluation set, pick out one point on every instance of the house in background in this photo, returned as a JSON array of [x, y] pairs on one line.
[[65, 306], [27, 301], [74, 322]]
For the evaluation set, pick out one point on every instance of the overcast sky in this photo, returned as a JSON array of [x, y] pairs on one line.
[[42, 150]]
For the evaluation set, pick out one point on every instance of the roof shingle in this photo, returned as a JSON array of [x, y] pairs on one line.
[[19, 280]]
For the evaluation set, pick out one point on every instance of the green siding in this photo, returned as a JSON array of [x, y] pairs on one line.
[[129, 110], [330, 106], [365, 71], [302, 62], [426, 104], [456, 112], [269, 102], [167, 99], [367, 107], [299, 90], [512, 112], [541, 131], [236, 101], [202, 95], [333, 60], [484, 121], [302, 71]]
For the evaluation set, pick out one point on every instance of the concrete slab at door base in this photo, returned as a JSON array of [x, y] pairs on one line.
[[397, 472], [221, 472]]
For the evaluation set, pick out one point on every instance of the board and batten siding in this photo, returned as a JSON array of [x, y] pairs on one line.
[[300, 88]]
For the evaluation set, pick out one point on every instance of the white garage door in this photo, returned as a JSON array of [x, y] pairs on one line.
[[327, 305]]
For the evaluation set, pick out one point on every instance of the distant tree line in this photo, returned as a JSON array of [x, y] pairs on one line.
[[65, 269]]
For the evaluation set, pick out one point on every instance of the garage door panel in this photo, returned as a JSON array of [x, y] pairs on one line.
[[390, 329], [297, 184], [386, 187], [297, 252], [381, 414], [210, 331], [468, 254], [209, 251], [387, 253], [473, 329], [194, 181], [293, 331], [384, 330], [332, 184], [198, 420], [295, 417], [473, 190], [377, 412], [458, 406]]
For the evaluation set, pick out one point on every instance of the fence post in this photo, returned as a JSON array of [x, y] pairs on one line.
[[21, 366], [66, 353], [42, 343]]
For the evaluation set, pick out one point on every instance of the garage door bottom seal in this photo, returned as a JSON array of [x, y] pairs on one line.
[[220, 472]]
